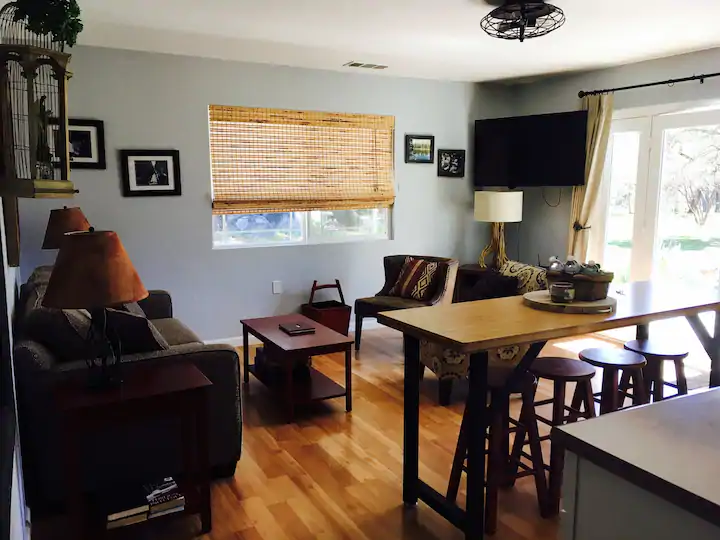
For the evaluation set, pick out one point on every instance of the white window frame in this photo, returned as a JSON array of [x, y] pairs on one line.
[[306, 235]]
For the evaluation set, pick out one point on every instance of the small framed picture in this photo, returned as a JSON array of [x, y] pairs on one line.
[[451, 163], [150, 172], [86, 144], [419, 149]]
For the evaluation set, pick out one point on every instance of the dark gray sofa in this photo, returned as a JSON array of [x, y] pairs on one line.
[[147, 449]]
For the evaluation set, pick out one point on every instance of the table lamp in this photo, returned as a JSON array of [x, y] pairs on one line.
[[63, 220], [93, 272], [498, 208]]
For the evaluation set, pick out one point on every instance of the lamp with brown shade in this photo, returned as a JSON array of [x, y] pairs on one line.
[[93, 272], [63, 220]]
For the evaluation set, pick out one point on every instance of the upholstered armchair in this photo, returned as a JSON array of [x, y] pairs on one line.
[[370, 307], [449, 365]]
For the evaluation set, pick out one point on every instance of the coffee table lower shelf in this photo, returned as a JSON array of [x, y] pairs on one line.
[[314, 387]]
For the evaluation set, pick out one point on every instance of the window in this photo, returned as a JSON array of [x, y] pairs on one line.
[[296, 177], [316, 227]]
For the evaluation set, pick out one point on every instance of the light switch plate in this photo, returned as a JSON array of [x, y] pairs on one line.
[[277, 287]]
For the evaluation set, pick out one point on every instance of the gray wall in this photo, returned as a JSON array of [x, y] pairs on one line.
[[544, 230], [160, 102]]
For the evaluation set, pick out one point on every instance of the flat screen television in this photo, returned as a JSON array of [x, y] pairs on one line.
[[531, 151]]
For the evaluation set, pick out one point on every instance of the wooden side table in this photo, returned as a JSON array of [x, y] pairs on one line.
[[179, 390], [467, 277]]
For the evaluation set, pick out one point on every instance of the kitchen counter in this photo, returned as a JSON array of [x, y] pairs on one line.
[[662, 460]]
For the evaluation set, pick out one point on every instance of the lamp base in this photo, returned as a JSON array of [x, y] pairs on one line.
[[496, 247], [104, 369]]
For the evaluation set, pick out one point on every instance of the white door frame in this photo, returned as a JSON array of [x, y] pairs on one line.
[[647, 191]]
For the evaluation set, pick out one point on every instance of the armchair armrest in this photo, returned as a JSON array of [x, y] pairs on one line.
[[393, 266], [446, 287], [158, 305]]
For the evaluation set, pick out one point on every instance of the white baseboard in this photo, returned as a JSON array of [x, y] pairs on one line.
[[237, 341]]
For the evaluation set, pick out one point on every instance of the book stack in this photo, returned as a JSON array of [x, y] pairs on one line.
[[154, 500], [129, 516], [164, 498]]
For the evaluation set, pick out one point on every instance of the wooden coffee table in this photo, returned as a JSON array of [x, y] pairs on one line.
[[288, 351]]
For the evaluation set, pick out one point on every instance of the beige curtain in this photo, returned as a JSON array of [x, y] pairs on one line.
[[600, 110]]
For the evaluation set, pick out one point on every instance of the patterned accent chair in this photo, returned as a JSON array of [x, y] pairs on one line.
[[370, 307], [449, 365]]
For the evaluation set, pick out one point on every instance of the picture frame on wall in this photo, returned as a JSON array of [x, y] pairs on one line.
[[419, 149], [148, 173], [86, 143], [451, 163]]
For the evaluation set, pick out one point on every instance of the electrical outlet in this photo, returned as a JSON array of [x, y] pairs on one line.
[[277, 287]]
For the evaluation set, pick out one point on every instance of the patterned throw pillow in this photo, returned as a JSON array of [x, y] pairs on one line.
[[135, 333], [530, 278], [416, 281]]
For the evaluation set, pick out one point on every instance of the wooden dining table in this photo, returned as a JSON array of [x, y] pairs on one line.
[[477, 327]]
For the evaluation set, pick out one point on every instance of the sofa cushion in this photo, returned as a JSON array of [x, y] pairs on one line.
[[417, 280], [63, 332], [530, 278], [40, 276], [134, 308], [135, 333], [391, 302], [175, 332]]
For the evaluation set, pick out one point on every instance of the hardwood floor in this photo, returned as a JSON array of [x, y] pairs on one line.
[[333, 475]]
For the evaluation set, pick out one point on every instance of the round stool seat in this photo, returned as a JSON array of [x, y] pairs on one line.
[[617, 358], [557, 368], [653, 348]]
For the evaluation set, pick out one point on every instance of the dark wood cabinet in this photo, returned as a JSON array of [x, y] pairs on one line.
[[467, 277]]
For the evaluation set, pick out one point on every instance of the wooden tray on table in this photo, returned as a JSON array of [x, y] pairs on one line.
[[541, 300]]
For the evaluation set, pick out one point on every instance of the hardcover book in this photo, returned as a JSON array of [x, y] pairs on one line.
[[297, 329]]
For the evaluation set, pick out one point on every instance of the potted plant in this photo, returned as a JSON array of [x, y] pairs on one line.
[[59, 18]]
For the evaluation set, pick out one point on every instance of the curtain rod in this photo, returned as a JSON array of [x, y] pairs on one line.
[[700, 78]]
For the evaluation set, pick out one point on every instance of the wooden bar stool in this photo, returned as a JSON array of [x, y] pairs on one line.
[[498, 437], [562, 371], [657, 353], [613, 361]]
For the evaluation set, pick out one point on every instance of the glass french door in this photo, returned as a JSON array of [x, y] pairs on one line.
[[658, 215], [659, 203]]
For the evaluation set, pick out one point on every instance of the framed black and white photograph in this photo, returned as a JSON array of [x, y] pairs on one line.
[[150, 172], [86, 144], [451, 163], [419, 149]]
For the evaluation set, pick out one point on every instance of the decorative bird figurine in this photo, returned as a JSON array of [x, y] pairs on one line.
[[556, 265], [572, 266]]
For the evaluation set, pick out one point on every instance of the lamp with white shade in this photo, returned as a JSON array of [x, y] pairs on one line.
[[498, 208]]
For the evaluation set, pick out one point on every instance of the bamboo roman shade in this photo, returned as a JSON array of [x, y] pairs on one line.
[[276, 160]]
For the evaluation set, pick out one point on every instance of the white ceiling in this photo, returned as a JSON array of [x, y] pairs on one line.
[[438, 39]]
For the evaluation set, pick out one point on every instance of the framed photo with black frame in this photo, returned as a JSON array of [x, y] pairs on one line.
[[86, 144], [419, 149], [150, 173], [451, 163]]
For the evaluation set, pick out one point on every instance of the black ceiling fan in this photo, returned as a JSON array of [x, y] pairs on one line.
[[520, 19]]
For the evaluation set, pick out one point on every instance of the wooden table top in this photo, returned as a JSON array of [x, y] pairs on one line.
[[669, 448], [139, 382], [488, 324], [267, 329]]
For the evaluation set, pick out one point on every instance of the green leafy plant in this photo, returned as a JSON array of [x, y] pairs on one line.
[[60, 18]]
